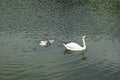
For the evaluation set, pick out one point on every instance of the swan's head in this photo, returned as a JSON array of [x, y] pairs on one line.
[[84, 37]]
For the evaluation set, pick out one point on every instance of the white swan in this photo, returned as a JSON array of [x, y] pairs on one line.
[[76, 47], [44, 43]]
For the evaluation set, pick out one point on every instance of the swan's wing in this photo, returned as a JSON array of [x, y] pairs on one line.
[[43, 43], [73, 46], [51, 41]]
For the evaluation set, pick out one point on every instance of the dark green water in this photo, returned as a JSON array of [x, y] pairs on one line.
[[23, 23]]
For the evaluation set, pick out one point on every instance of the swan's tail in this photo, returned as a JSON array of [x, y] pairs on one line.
[[63, 44], [67, 47]]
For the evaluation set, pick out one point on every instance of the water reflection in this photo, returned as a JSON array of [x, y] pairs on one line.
[[81, 53]]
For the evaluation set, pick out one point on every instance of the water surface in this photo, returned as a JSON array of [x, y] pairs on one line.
[[24, 23]]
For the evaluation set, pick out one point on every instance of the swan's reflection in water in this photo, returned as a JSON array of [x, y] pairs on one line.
[[81, 53]]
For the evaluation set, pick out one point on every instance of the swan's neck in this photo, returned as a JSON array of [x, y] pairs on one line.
[[84, 44]]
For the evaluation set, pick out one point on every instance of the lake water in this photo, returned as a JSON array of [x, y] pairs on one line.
[[24, 23]]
